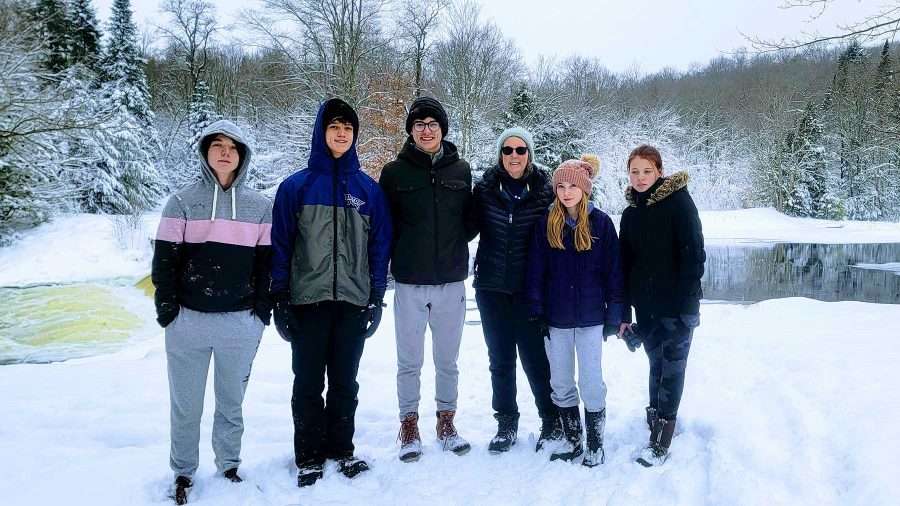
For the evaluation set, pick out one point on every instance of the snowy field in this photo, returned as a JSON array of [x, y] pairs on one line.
[[789, 401]]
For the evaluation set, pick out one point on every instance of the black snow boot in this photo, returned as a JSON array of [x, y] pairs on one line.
[[352, 466], [551, 432], [183, 485], [657, 450], [507, 433], [594, 423], [652, 415], [572, 446], [308, 474]]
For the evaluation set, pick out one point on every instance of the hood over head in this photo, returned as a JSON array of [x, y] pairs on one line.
[[233, 132], [319, 155]]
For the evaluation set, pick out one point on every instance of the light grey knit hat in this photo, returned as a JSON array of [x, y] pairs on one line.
[[521, 133]]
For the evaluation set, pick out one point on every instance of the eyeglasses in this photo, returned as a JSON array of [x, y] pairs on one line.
[[419, 126], [508, 150]]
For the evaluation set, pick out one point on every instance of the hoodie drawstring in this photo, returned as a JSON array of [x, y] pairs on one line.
[[215, 201], [233, 190]]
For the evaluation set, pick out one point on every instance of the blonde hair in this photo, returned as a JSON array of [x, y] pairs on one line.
[[556, 221]]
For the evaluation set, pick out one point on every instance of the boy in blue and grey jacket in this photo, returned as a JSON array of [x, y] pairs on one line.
[[331, 237]]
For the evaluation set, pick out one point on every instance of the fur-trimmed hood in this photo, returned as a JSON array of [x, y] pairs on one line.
[[670, 185]]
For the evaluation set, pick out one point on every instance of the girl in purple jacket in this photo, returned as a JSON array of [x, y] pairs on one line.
[[575, 287]]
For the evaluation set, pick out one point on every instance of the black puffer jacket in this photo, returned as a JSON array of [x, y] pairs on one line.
[[432, 216], [505, 225], [662, 251]]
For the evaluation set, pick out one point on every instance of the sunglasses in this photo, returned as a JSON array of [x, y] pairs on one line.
[[508, 150]]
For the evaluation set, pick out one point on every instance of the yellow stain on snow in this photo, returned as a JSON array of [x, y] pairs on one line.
[[68, 314]]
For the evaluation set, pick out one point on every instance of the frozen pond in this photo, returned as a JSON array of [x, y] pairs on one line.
[[826, 272]]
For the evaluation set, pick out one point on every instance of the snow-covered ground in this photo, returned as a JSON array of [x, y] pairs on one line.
[[789, 401]]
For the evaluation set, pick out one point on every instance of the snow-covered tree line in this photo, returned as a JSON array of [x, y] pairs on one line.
[[76, 129], [841, 156], [812, 133]]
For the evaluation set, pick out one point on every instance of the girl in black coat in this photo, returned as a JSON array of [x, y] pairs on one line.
[[663, 257]]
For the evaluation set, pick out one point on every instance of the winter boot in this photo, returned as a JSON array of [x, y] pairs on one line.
[[594, 423], [352, 466], [310, 473], [232, 475], [410, 442], [572, 446], [183, 485], [507, 429], [657, 451], [551, 432], [652, 415], [447, 435]]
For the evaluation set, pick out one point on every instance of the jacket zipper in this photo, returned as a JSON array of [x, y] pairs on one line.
[[334, 238], [434, 197]]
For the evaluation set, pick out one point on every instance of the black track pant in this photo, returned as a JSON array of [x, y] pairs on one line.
[[667, 351]]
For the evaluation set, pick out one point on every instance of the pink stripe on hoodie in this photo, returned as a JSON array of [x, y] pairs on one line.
[[171, 229], [237, 233]]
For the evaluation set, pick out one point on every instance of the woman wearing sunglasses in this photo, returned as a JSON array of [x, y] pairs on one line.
[[509, 199]]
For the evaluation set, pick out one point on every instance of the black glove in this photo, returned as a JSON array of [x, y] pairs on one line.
[[541, 324], [632, 337], [609, 330], [286, 322], [263, 312], [373, 316]]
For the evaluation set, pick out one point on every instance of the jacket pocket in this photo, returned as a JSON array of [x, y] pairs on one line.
[[455, 185]]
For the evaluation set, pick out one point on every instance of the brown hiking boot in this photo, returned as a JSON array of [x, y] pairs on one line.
[[447, 435], [410, 442]]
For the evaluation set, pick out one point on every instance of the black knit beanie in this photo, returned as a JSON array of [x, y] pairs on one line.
[[424, 107]]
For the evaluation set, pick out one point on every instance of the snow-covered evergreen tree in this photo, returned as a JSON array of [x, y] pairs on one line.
[[85, 35], [129, 140], [555, 139], [53, 29], [810, 189], [202, 111]]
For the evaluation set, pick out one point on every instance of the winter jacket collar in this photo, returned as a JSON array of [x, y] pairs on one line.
[[448, 154], [665, 187], [320, 158], [494, 178]]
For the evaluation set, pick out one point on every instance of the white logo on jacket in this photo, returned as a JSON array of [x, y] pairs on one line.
[[354, 202]]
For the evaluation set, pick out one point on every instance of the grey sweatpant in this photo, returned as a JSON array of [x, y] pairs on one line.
[[562, 347], [443, 308], [191, 339]]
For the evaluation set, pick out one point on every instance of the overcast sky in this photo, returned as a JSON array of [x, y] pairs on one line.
[[646, 34]]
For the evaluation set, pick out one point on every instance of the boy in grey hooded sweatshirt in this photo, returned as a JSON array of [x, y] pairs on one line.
[[211, 265]]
